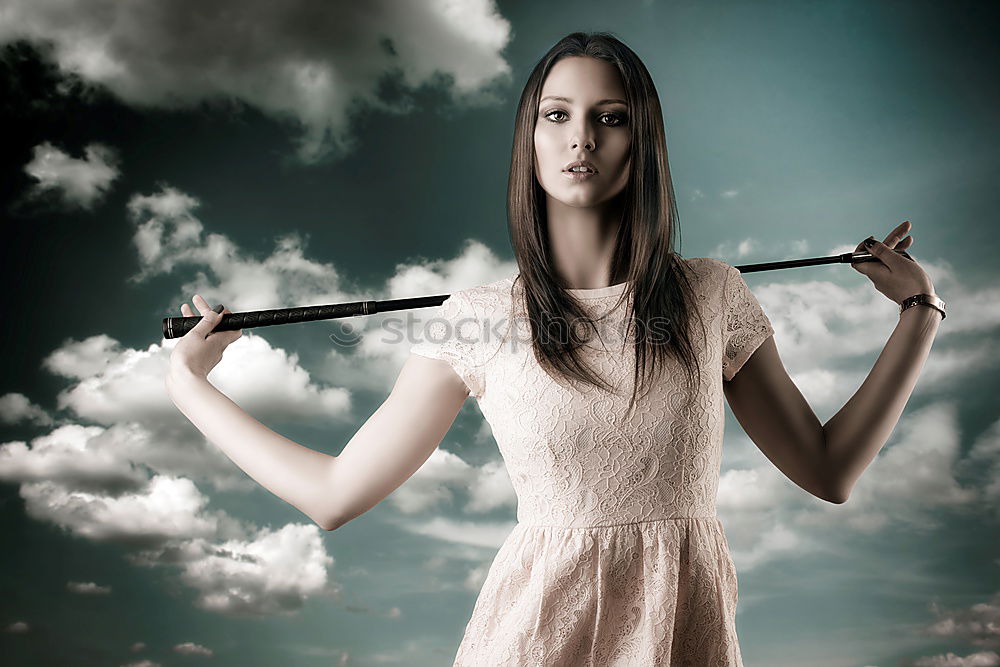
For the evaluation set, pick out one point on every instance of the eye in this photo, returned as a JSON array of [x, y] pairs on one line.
[[620, 118]]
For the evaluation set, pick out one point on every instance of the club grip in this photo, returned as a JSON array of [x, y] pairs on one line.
[[175, 327]]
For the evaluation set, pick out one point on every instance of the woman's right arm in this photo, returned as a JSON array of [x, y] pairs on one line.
[[331, 490]]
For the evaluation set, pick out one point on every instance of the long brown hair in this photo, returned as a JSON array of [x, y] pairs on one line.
[[644, 248]]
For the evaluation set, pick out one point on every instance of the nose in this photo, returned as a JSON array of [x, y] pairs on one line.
[[585, 135]]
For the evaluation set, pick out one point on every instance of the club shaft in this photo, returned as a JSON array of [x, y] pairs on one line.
[[175, 327]]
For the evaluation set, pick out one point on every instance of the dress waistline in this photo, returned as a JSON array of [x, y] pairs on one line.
[[526, 524]]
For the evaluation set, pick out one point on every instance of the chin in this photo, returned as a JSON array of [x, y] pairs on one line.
[[585, 199]]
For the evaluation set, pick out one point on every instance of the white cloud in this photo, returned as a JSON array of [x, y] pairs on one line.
[[270, 573], [92, 482], [475, 265], [916, 474], [164, 509], [315, 64], [115, 383], [979, 624], [78, 182], [418, 651], [133, 427], [983, 463], [122, 390], [434, 484], [431, 484], [913, 480], [755, 489], [491, 488], [17, 628], [824, 329], [735, 251], [190, 648], [980, 659], [16, 407], [235, 567], [113, 460], [485, 534], [169, 235], [476, 577], [87, 588], [83, 457]]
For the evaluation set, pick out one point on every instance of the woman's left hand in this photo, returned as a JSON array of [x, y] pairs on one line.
[[896, 275]]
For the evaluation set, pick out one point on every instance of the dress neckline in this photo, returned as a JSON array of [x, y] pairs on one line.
[[597, 292]]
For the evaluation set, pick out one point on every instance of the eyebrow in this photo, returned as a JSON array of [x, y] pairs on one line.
[[566, 99]]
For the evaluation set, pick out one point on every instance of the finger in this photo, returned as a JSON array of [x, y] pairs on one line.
[[898, 233], [228, 337], [903, 245], [201, 304], [886, 255], [864, 267], [217, 309], [207, 322], [186, 310]]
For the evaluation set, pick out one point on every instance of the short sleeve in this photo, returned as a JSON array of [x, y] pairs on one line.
[[745, 326], [452, 333]]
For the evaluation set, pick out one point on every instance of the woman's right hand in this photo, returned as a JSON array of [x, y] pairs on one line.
[[200, 350]]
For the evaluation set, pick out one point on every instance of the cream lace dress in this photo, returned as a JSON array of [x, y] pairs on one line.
[[617, 557]]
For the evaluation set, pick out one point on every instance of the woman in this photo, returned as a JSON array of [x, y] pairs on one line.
[[617, 557]]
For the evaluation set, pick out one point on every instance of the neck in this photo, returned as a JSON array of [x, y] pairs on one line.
[[583, 242]]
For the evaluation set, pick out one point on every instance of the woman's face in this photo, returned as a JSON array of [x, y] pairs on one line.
[[585, 126]]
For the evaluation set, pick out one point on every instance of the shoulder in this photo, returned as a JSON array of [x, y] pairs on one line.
[[480, 300], [707, 273], [706, 265], [497, 286], [490, 295]]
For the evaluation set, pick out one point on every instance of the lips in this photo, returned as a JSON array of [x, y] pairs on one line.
[[581, 163]]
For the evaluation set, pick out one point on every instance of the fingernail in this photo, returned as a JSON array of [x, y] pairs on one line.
[[219, 308], [869, 242]]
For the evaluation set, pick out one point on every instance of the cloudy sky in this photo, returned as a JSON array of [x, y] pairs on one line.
[[270, 154]]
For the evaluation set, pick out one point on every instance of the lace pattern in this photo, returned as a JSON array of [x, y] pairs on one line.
[[746, 324], [452, 335], [617, 557]]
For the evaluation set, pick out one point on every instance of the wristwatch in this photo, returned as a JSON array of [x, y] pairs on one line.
[[931, 300]]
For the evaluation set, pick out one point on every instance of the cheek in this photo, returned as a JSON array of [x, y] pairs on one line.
[[622, 148], [542, 144], [545, 154]]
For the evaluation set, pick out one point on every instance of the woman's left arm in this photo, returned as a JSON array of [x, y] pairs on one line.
[[858, 431], [827, 460]]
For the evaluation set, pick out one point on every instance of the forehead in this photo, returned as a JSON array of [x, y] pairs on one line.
[[583, 80]]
